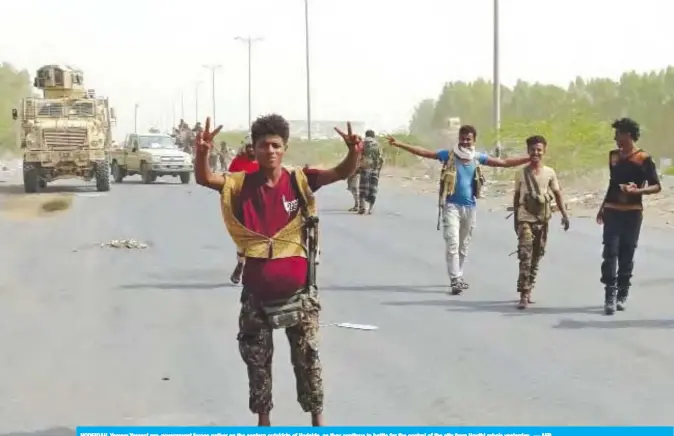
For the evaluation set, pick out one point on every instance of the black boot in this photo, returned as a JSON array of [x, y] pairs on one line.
[[622, 298], [609, 300]]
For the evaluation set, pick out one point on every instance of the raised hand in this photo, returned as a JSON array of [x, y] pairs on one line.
[[352, 141], [205, 137], [391, 140]]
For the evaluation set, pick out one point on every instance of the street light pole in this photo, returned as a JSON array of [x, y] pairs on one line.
[[249, 42], [135, 118], [497, 80], [213, 68], [182, 104], [196, 102], [306, 38]]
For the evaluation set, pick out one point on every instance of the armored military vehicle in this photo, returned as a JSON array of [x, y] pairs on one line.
[[66, 133]]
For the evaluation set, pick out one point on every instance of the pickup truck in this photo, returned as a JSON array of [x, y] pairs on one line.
[[151, 155]]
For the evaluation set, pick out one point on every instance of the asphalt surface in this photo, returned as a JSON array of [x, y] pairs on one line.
[[94, 335]]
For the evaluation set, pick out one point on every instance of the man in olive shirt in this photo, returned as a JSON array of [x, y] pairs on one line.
[[633, 175]]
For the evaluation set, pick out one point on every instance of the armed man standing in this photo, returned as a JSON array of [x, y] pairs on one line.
[[633, 175], [271, 216], [460, 185], [370, 167]]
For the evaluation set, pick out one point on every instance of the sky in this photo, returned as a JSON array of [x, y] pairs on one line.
[[371, 60]]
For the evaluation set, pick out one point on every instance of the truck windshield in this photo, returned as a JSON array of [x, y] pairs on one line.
[[157, 142]]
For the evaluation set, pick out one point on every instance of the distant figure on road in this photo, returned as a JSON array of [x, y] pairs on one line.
[[460, 183], [246, 162], [532, 204], [352, 185], [633, 175], [371, 163], [270, 215]]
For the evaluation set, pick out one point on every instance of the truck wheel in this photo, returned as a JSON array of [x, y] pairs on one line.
[[117, 172], [146, 174], [43, 183], [31, 178], [102, 174], [185, 178]]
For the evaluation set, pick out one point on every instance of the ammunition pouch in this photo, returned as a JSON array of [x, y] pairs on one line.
[[285, 313], [535, 202]]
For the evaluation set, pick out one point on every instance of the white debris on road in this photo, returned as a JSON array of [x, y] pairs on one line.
[[125, 243]]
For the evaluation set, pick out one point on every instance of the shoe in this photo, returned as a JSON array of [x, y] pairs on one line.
[[455, 288], [609, 301], [524, 301], [621, 304]]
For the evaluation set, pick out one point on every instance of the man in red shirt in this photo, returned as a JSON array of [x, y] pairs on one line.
[[244, 161], [267, 214]]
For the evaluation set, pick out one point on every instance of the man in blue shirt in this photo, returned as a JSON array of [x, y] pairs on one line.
[[461, 182]]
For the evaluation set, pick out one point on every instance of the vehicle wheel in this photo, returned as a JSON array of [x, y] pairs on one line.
[[146, 174], [43, 183], [31, 178], [117, 172], [185, 178], [102, 174]]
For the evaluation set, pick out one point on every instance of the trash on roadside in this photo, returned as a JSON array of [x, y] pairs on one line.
[[125, 243]]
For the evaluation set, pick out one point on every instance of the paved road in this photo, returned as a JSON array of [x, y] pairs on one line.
[[95, 335]]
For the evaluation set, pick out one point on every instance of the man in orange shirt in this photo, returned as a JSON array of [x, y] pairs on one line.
[[244, 161]]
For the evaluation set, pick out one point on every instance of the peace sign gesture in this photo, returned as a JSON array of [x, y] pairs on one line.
[[205, 138], [353, 142]]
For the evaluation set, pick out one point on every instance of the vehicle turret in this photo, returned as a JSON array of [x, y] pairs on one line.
[[59, 81]]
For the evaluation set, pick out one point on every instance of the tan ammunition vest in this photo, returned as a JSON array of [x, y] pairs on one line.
[[448, 179], [287, 242]]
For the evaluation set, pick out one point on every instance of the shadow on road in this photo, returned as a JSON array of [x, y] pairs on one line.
[[409, 289], [502, 307], [179, 286], [568, 324], [14, 189], [56, 431]]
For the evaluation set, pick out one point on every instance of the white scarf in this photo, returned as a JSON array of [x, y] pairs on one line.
[[464, 152]]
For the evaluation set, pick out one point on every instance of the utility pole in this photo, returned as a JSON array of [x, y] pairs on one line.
[[196, 101], [249, 42], [135, 118], [497, 80], [182, 104], [306, 38], [213, 68]]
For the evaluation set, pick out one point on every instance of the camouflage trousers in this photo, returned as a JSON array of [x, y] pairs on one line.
[[353, 185], [256, 345], [532, 238]]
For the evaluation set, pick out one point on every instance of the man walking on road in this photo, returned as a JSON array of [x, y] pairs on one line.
[[633, 175], [268, 214], [532, 204], [460, 184], [370, 167]]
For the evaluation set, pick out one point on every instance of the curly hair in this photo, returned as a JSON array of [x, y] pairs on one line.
[[272, 124], [536, 139], [629, 126]]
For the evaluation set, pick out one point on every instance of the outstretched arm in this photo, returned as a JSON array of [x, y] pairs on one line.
[[342, 171], [416, 150], [507, 162], [348, 166]]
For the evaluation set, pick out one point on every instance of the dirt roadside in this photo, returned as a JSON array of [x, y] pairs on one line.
[[583, 195]]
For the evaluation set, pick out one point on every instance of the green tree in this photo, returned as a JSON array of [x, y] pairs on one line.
[[14, 85], [529, 107]]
